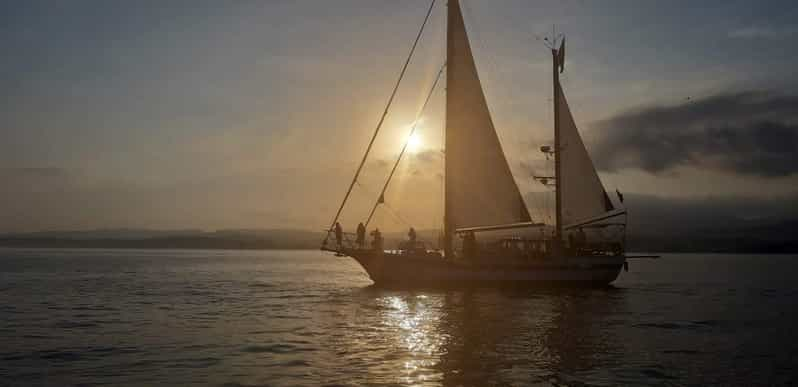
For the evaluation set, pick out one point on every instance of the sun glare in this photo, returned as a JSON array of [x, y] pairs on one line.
[[414, 143]]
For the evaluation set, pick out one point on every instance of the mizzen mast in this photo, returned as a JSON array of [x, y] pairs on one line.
[[558, 63]]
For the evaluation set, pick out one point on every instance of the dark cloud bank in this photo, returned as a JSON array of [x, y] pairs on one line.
[[747, 133]]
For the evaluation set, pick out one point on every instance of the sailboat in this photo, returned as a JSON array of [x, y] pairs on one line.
[[481, 196]]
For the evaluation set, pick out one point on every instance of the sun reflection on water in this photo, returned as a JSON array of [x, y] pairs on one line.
[[414, 320], [463, 338]]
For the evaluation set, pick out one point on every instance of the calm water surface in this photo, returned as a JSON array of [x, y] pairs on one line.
[[274, 318]]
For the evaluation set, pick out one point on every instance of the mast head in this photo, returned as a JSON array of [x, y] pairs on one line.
[[554, 42]]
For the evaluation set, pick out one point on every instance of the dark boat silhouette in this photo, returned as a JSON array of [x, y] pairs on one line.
[[482, 197]]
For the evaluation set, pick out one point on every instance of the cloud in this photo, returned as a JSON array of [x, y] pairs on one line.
[[426, 162], [34, 172], [748, 133], [762, 32], [35, 199], [430, 156]]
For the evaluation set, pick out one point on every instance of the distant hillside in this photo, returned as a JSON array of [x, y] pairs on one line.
[[711, 225], [648, 232], [159, 239], [735, 237]]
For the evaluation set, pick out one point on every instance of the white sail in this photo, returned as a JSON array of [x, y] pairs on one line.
[[480, 189], [582, 194]]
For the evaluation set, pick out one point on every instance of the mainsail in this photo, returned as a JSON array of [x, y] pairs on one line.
[[480, 188], [582, 194]]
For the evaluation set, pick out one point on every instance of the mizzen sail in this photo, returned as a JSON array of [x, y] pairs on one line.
[[582, 194], [480, 189]]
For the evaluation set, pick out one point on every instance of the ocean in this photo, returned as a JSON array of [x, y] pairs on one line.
[[306, 318]]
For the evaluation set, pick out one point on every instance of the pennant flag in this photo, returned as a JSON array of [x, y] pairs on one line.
[[561, 56], [607, 202], [620, 195], [381, 200]]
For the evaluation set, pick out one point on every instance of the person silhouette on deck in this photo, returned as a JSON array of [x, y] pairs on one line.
[[411, 235], [581, 238], [361, 235], [339, 235], [377, 243], [470, 246]]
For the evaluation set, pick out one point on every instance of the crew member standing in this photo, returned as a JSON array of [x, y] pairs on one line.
[[361, 234], [377, 244], [339, 235]]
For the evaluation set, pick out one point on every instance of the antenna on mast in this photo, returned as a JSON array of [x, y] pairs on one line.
[[551, 42]]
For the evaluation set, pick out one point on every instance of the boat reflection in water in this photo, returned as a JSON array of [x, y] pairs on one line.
[[482, 337]]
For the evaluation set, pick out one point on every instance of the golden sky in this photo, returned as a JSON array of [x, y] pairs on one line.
[[255, 114]]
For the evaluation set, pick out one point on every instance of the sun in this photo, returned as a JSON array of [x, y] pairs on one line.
[[414, 143]]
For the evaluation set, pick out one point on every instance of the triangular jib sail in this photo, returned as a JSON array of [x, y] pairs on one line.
[[480, 189], [582, 194]]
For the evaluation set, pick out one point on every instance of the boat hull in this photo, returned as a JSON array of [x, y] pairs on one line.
[[411, 270]]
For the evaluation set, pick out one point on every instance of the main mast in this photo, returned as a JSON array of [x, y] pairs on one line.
[[448, 224]]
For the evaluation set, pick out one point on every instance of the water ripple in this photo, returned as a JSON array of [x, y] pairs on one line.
[[233, 318]]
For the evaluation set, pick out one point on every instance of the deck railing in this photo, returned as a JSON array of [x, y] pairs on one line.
[[348, 241]]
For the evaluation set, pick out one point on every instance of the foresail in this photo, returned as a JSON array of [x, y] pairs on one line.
[[582, 194], [480, 189]]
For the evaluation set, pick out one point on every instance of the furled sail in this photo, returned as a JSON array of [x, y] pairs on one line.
[[480, 189], [582, 194]]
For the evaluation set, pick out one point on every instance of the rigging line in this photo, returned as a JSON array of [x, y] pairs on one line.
[[365, 189], [396, 215], [404, 148], [382, 118]]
